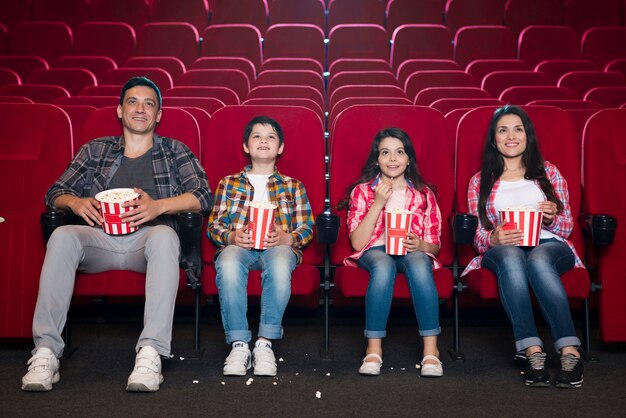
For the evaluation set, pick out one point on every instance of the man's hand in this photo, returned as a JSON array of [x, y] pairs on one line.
[[87, 208], [145, 209], [278, 237]]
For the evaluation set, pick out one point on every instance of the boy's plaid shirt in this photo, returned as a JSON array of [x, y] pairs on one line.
[[234, 194]]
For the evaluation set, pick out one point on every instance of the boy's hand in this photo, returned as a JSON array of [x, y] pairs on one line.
[[241, 238], [277, 237]]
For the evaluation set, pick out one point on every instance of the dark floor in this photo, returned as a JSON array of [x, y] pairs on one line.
[[486, 384]]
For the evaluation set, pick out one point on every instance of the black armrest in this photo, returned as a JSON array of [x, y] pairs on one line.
[[602, 229], [464, 228], [52, 219], [189, 234], [327, 227]]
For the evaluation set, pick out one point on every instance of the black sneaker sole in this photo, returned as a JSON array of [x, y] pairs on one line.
[[532, 384], [569, 385]]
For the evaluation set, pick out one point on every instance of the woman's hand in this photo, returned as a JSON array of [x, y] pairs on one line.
[[549, 210], [503, 236]]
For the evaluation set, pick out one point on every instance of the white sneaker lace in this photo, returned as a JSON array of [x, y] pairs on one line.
[[237, 356], [568, 362], [537, 360]]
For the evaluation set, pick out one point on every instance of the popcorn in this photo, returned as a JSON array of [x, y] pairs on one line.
[[111, 208], [117, 195], [262, 205]]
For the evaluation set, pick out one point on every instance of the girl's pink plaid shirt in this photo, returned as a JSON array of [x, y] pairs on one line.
[[426, 223]]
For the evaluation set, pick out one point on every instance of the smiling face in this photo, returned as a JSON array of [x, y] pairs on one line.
[[510, 136], [139, 111], [392, 158], [263, 144]]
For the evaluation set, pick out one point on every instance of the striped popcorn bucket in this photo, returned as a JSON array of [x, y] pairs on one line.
[[529, 221], [261, 221], [110, 212], [397, 227]]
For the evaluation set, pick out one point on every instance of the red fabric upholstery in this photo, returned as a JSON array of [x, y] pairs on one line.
[[34, 152], [484, 42], [233, 40], [540, 43], [461, 13], [133, 12], [584, 14], [9, 77], [98, 65], [580, 82], [72, 79], [232, 63], [355, 64], [366, 41], [288, 101], [420, 80], [567, 104], [521, 95], [364, 91], [78, 114], [115, 40], [208, 104], [409, 66], [605, 155], [195, 12], [376, 78], [175, 39], [223, 94], [72, 12], [312, 12], [401, 12], [607, 96], [343, 104], [172, 65], [48, 40], [23, 65], [303, 158], [354, 130], [521, 13], [555, 68], [449, 104], [428, 95], [250, 12], [481, 67], [295, 41], [342, 12], [293, 64], [555, 132], [291, 77], [497, 81], [604, 44], [235, 80], [38, 93], [286, 91], [420, 41], [121, 75]]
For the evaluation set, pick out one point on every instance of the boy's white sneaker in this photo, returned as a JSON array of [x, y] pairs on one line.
[[238, 361], [264, 361], [146, 376], [43, 371]]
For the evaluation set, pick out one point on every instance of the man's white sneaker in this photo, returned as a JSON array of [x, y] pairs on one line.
[[264, 361], [238, 362], [146, 376], [43, 371]]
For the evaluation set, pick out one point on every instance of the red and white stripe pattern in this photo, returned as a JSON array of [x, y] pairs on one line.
[[397, 227], [261, 221], [112, 224], [529, 221]]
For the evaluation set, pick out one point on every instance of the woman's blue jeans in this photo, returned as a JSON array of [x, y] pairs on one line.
[[418, 269], [232, 266], [540, 268]]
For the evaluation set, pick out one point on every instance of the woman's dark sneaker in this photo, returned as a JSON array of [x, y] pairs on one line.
[[534, 370], [571, 373]]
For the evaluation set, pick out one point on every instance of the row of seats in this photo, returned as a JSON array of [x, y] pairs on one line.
[[37, 149], [516, 14], [119, 41]]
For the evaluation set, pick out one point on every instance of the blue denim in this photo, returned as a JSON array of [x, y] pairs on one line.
[[418, 269], [540, 268], [233, 265]]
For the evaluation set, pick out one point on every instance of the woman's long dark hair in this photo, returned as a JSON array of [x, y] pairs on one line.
[[371, 169], [493, 163]]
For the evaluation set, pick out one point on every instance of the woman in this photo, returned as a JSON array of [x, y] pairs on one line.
[[514, 174]]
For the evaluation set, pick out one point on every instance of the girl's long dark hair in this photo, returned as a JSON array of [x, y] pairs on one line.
[[493, 163], [371, 169]]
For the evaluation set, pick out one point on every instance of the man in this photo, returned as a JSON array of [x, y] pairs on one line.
[[229, 228], [169, 180]]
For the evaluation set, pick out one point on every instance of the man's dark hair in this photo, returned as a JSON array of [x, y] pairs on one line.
[[263, 120], [140, 81]]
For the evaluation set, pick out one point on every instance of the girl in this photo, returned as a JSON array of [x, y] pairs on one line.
[[390, 180], [513, 173]]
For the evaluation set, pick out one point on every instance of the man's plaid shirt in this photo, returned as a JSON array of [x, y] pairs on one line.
[[234, 194]]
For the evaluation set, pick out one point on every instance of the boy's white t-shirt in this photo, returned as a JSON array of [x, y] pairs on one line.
[[259, 182], [520, 193]]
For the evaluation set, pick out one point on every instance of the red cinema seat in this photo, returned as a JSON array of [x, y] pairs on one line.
[[287, 91], [115, 40], [354, 130], [34, 153], [580, 82], [303, 158], [250, 12], [121, 75], [9, 77], [287, 101], [72, 12], [94, 101], [371, 78], [555, 68], [133, 12], [567, 104], [540, 43], [233, 40], [484, 42], [228, 63], [555, 132], [497, 81], [448, 104], [235, 80], [481, 67], [617, 65], [367, 41], [174, 39], [402, 12], [172, 65], [364, 91], [428, 95], [461, 13], [48, 40], [343, 104], [78, 114], [521, 95], [605, 157], [295, 40], [604, 44], [102, 90], [421, 42], [584, 14], [521, 13], [409, 66], [14, 12], [291, 77], [208, 104], [607, 96], [98, 65], [72, 79], [420, 80], [292, 64], [15, 99], [195, 12], [38, 93], [223, 94], [312, 12], [341, 12], [22, 65]]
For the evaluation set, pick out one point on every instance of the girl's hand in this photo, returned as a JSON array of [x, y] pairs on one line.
[[382, 192], [549, 210], [501, 236], [411, 242]]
